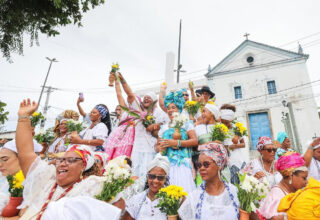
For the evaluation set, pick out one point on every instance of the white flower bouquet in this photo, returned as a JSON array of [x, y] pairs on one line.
[[73, 127], [118, 176], [46, 136], [250, 192], [179, 120]]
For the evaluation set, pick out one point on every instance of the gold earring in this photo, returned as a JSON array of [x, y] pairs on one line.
[[81, 176]]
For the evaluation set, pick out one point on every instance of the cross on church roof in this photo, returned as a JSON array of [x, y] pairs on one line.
[[246, 35]]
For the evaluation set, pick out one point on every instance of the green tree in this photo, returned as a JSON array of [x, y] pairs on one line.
[[3, 113], [18, 17]]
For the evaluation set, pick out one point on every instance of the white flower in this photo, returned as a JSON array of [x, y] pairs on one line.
[[253, 207]]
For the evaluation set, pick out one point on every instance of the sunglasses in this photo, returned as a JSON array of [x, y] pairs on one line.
[[206, 164], [185, 94], [269, 150], [68, 160], [153, 177]]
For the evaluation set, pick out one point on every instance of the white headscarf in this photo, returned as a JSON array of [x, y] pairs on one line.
[[11, 145], [227, 114], [214, 110], [159, 161], [80, 207], [103, 156], [152, 95]]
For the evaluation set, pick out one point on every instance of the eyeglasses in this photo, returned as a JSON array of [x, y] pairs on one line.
[[206, 164], [68, 160], [153, 177], [185, 94], [270, 150]]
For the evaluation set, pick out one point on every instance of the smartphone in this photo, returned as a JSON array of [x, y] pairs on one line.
[[81, 96]]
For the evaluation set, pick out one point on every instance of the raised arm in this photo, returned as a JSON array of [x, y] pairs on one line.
[[127, 89], [80, 108], [162, 94], [193, 94], [24, 140], [309, 153], [120, 98]]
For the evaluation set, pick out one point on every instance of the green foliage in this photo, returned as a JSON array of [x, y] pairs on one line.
[[3, 113], [75, 126], [36, 118], [167, 204], [111, 189], [45, 137], [18, 17]]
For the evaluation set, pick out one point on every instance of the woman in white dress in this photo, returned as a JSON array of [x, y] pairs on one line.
[[178, 151], [46, 183], [97, 133], [61, 130], [264, 166], [143, 205], [214, 199], [234, 143], [312, 158]]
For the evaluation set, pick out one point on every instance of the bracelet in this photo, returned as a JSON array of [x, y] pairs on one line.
[[89, 142], [23, 117], [179, 144]]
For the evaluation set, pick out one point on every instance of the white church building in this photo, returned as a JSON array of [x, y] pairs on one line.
[[272, 91], [270, 87]]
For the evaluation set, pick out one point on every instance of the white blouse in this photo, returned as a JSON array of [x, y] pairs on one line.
[[4, 192], [40, 180], [314, 169], [213, 207], [99, 131], [140, 207], [58, 145]]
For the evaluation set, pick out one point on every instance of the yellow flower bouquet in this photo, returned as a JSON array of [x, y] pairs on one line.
[[15, 184], [170, 198], [148, 120], [239, 129], [192, 107], [219, 132], [114, 69], [36, 117]]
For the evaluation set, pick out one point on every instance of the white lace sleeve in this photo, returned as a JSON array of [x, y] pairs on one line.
[[133, 204], [132, 190], [186, 211], [100, 131], [39, 176], [189, 126]]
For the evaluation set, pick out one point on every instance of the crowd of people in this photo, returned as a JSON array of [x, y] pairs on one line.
[[63, 177]]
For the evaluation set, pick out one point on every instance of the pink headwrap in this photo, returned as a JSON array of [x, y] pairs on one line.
[[289, 162], [216, 152], [263, 141]]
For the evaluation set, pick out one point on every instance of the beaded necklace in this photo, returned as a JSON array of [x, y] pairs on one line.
[[45, 205], [199, 205], [271, 169]]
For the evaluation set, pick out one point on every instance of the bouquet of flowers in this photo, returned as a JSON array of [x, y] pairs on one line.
[[36, 118], [118, 176], [178, 121], [251, 191], [74, 126], [148, 120], [114, 69], [170, 198], [15, 184], [45, 136], [219, 132], [192, 107], [239, 129]]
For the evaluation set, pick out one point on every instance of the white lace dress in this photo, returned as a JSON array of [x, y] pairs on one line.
[[58, 145], [213, 207], [4, 192], [314, 169], [39, 182], [99, 131], [140, 207]]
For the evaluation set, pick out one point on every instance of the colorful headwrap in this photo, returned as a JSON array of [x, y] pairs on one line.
[[227, 114], [263, 141], [290, 162], [304, 203], [85, 153], [214, 110], [103, 157], [184, 90], [102, 110], [281, 136], [216, 152], [175, 98]]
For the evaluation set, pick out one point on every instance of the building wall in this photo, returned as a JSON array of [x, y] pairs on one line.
[[255, 96]]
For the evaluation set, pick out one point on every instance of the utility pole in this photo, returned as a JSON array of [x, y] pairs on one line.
[[46, 106], [178, 70], [294, 127], [45, 81]]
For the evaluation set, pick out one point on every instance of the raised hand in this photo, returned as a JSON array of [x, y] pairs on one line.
[[27, 108], [315, 142]]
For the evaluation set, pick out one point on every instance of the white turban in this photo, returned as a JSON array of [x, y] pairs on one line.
[[11, 145], [214, 110], [316, 147], [227, 114], [80, 207], [152, 95], [159, 161]]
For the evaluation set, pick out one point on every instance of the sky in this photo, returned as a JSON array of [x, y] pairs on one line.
[[138, 33]]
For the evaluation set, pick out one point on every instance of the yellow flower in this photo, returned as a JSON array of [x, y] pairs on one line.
[[149, 117], [164, 83], [35, 114], [223, 128], [211, 102], [115, 66], [18, 179]]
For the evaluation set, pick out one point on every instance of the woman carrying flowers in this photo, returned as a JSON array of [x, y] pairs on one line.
[[294, 172], [214, 199], [143, 205], [235, 142], [178, 148], [264, 166]]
